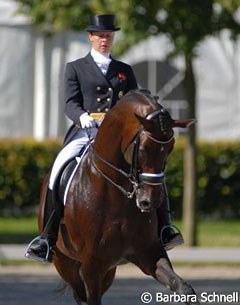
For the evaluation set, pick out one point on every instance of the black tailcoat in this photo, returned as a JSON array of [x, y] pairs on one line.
[[87, 89]]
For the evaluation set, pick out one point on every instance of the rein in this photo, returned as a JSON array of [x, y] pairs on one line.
[[128, 194], [135, 178]]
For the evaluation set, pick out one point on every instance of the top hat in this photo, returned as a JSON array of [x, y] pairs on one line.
[[102, 23]]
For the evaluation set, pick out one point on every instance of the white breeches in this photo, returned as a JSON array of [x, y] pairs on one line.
[[71, 150]]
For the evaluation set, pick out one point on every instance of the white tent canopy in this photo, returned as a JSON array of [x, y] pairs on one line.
[[217, 70], [32, 68], [218, 75], [31, 76]]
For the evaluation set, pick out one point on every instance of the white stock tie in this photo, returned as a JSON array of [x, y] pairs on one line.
[[102, 60]]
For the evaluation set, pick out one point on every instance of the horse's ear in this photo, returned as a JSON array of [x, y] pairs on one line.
[[183, 123], [147, 124]]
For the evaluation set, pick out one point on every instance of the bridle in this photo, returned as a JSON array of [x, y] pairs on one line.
[[135, 177]]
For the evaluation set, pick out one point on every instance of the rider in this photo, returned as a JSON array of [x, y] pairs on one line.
[[93, 84]]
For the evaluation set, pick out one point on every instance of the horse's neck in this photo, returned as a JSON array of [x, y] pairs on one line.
[[119, 128], [108, 143]]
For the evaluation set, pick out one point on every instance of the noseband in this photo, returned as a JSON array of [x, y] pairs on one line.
[[135, 177]]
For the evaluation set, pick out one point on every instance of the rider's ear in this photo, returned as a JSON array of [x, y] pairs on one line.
[[183, 123]]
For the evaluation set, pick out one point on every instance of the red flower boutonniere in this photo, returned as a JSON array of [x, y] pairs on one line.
[[121, 76]]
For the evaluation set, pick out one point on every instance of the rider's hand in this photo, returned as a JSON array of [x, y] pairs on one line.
[[87, 121]]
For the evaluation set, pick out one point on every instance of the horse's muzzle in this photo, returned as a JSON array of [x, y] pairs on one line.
[[150, 196]]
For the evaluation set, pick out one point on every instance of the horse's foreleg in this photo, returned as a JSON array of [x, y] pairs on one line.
[[96, 282], [166, 276], [108, 279], [161, 269], [69, 271], [92, 278]]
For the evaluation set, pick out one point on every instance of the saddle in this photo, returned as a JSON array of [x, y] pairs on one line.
[[66, 174], [65, 178]]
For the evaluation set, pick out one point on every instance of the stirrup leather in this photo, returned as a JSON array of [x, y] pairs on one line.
[[39, 240]]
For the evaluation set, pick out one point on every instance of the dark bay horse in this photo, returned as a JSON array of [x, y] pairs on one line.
[[110, 212]]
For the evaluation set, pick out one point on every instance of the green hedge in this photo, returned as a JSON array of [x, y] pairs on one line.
[[218, 179], [24, 163]]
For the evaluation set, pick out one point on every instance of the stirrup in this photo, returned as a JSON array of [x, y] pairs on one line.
[[29, 252], [171, 244]]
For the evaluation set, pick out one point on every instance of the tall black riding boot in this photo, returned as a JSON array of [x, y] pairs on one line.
[[169, 234], [41, 247]]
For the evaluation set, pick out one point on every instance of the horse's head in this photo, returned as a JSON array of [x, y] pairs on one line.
[[141, 135], [147, 155]]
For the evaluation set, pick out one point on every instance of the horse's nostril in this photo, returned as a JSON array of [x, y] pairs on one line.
[[145, 205]]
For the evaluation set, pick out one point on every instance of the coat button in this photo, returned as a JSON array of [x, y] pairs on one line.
[[110, 89], [98, 88], [99, 99], [108, 99]]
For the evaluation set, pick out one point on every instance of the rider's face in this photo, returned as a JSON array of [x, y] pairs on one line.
[[102, 41]]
